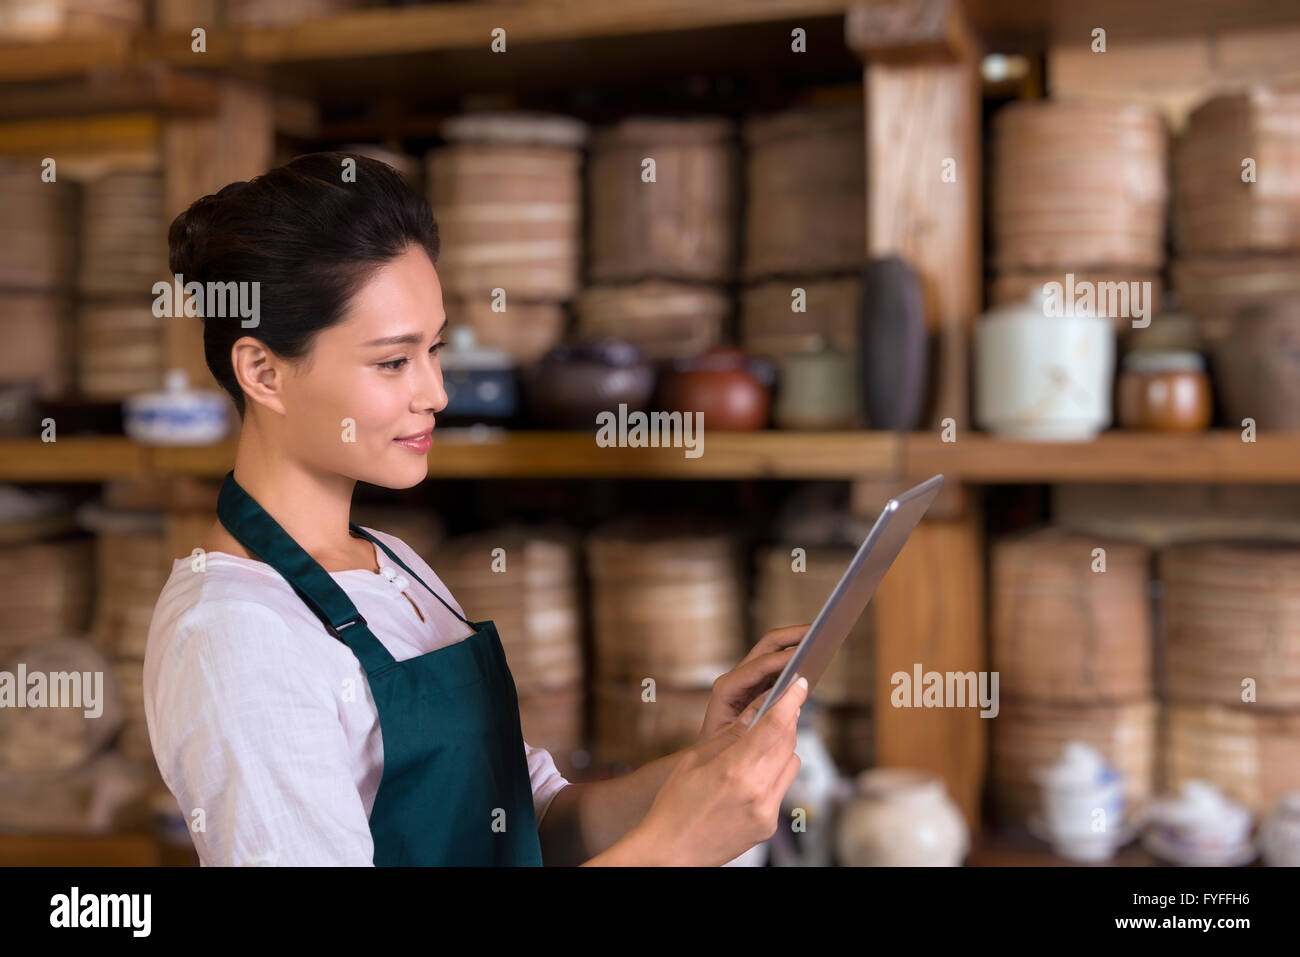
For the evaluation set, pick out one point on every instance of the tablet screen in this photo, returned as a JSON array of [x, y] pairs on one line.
[[849, 598]]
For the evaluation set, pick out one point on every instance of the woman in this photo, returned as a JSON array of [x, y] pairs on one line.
[[314, 694]]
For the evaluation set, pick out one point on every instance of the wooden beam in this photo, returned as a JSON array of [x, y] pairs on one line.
[[924, 179], [910, 31], [929, 611]]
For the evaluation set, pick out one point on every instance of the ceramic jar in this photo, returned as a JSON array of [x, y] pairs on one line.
[[818, 389], [1043, 377], [1165, 390], [1279, 835], [901, 817], [731, 390], [479, 382], [178, 415], [574, 382]]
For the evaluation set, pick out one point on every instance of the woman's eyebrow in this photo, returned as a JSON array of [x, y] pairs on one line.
[[409, 339]]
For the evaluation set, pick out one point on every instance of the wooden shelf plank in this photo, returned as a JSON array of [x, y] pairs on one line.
[[95, 137], [1115, 456], [735, 455], [448, 26], [126, 849], [159, 88], [378, 33], [71, 459], [64, 57]]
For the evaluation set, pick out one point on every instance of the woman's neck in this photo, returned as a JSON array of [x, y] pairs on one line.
[[312, 506]]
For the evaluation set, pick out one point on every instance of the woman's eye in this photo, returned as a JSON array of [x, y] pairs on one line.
[[396, 364]]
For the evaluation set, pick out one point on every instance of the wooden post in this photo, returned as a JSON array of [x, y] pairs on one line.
[[924, 177], [923, 170]]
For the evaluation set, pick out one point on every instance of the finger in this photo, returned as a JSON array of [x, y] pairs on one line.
[[750, 677], [767, 743], [746, 717], [776, 639]]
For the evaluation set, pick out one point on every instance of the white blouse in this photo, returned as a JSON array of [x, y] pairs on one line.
[[262, 723]]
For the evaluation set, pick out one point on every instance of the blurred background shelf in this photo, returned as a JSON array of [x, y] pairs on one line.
[[977, 458], [123, 849], [1115, 456]]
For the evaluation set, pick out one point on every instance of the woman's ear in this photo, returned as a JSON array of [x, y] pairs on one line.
[[260, 373]]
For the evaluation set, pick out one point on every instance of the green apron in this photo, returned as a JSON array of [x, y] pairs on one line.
[[455, 788]]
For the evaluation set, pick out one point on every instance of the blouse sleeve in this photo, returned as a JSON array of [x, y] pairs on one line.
[[545, 778], [245, 735]]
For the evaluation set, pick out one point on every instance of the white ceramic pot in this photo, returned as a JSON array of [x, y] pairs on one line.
[[901, 817], [178, 415], [1041, 377], [1083, 804], [1279, 835]]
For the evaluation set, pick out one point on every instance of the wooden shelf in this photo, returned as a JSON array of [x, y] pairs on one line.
[[975, 458], [120, 849], [380, 34], [1115, 456], [736, 455], [995, 847]]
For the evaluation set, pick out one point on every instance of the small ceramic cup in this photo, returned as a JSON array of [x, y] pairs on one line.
[[1083, 803], [1200, 824]]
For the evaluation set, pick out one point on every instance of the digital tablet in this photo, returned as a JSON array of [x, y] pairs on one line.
[[849, 599]]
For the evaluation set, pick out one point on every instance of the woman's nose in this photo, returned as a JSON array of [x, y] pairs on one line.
[[431, 395]]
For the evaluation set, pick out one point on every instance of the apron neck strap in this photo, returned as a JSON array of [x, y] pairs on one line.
[[262, 535], [407, 568]]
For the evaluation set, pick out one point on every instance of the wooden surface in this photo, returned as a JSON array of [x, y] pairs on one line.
[[988, 849], [1115, 456], [379, 34], [1011, 848], [91, 850], [975, 458], [929, 610]]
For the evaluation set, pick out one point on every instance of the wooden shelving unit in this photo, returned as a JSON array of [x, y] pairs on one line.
[[213, 117]]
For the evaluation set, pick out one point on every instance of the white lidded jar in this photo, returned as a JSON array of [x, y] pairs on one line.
[[1083, 804], [901, 817], [1279, 835], [1041, 376]]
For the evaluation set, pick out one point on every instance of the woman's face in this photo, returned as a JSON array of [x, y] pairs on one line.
[[371, 379]]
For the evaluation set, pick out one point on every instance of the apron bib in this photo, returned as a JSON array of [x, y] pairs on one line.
[[455, 788]]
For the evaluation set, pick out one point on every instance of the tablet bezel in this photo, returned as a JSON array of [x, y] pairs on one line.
[[913, 503]]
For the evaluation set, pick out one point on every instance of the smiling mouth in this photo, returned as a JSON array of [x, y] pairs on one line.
[[411, 438]]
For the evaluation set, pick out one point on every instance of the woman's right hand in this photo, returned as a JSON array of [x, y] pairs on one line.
[[724, 796]]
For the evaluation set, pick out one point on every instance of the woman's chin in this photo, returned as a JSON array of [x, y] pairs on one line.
[[405, 470]]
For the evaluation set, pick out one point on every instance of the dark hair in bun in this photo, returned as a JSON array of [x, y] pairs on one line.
[[310, 240]]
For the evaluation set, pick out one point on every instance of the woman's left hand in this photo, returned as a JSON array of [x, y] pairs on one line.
[[757, 672]]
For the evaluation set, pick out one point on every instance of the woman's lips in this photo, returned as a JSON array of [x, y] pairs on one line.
[[420, 443]]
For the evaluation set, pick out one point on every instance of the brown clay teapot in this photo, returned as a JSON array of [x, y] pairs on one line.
[[732, 390]]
